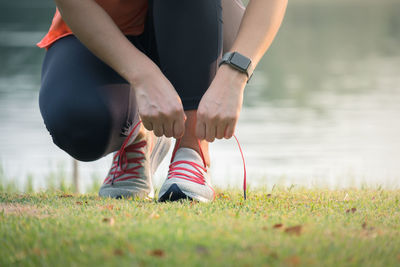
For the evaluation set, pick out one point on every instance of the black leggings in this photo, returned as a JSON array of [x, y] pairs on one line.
[[89, 109]]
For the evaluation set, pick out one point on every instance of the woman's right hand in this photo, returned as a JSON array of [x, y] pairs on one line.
[[160, 107]]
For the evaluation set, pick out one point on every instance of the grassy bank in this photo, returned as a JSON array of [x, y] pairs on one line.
[[279, 228]]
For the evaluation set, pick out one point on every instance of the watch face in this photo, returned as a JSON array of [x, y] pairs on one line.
[[240, 61]]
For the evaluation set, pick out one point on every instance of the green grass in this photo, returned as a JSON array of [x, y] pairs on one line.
[[298, 227]]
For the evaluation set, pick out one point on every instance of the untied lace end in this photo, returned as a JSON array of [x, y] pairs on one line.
[[244, 169]]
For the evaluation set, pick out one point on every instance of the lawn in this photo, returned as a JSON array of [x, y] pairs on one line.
[[282, 227]]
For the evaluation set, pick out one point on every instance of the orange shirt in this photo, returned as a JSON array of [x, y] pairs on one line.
[[129, 15]]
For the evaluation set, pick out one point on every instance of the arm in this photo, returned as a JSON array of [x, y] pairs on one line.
[[232, 13], [220, 106], [98, 32]]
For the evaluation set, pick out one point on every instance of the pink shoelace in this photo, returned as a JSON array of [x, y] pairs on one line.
[[196, 175], [120, 164], [121, 161]]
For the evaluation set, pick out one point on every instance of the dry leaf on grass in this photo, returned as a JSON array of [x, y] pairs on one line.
[[157, 253], [364, 225], [107, 207], [240, 203], [294, 230], [65, 195], [352, 210], [109, 221], [277, 225], [222, 196], [118, 252]]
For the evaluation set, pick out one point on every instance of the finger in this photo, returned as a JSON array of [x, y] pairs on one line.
[[200, 130], [230, 130], [220, 131], [158, 129], [148, 125], [179, 127], [210, 132], [167, 127]]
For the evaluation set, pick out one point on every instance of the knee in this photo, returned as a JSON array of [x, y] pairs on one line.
[[80, 129]]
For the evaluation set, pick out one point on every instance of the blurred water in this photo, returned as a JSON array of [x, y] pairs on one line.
[[322, 109]]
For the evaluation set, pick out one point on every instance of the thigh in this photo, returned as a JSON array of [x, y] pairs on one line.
[[80, 95]]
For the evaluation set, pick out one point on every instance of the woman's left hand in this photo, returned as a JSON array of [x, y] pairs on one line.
[[220, 106]]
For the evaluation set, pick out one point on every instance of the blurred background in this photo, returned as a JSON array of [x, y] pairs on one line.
[[322, 109]]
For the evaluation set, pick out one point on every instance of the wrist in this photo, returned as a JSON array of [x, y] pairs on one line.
[[140, 70], [232, 75]]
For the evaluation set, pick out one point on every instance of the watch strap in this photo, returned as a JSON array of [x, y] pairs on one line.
[[239, 62]]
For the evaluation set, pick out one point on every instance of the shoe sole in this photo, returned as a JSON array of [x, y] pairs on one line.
[[119, 193], [176, 192]]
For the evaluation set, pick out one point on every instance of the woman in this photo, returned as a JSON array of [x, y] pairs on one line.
[[120, 62]]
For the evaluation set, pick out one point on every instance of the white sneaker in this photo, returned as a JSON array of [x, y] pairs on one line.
[[133, 167], [188, 178]]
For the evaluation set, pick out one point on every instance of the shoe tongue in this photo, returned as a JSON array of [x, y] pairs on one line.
[[188, 154]]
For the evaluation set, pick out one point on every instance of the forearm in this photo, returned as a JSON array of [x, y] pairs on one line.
[[220, 106], [258, 28], [98, 32]]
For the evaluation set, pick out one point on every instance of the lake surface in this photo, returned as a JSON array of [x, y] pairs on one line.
[[323, 107]]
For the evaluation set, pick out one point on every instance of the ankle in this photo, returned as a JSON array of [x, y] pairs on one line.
[[193, 144], [190, 140]]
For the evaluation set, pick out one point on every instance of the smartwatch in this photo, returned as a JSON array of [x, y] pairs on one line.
[[239, 62]]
